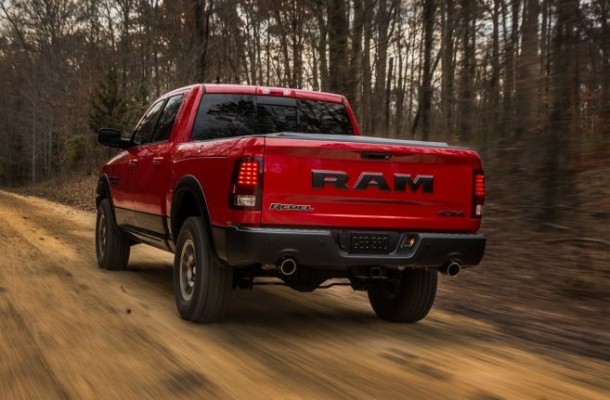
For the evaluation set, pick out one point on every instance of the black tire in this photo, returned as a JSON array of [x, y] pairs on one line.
[[408, 297], [111, 246], [202, 284]]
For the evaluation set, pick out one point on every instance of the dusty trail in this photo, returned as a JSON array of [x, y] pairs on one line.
[[71, 330]]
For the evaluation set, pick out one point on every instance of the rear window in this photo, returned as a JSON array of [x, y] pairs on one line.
[[323, 117], [224, 115], [228, 115]]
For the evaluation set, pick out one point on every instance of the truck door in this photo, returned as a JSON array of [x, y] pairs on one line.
[[153, 171], [125, 173]]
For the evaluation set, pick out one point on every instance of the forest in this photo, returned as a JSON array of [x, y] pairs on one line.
[[525, 82]]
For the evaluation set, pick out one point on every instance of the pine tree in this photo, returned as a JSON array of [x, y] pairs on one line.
[[108, 108]]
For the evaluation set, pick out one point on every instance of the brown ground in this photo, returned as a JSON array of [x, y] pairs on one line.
[[70, 330]]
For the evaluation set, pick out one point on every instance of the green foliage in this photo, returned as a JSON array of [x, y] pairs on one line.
[[138, 103], [76, 149], [108, 107]]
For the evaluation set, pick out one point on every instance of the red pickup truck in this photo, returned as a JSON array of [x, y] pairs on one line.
[[245, 183]]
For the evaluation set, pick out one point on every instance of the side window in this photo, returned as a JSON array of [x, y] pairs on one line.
[[144, 130], [224, 115], [167, 118]]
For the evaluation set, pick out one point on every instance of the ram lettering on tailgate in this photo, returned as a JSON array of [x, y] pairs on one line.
[[339, 179]]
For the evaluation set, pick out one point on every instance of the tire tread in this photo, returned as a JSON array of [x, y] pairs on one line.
[[118, 247], [413, 301], [214, 280]]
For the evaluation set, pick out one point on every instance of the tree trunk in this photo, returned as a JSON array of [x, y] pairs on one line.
[[420, 56], [494, 84], [564, 112], [355, 83], [126, 10], [604, 112], [367, 94], [287, 80], [297, 43], [412, 84], [157, 82], [401, 85], [315, 76], [509, 65], [323, 27], [337, 48], [202, 34], [448, 66], [426, 87], [388, 96], [268, 54], [252, 43], [528, 71], [383, 23], [467, 72]]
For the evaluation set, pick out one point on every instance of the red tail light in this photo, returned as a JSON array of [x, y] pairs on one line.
[[247, 174], [478, 194], [246, 184], [479, 184]]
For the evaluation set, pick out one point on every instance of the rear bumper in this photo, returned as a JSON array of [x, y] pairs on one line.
[[322, 249]]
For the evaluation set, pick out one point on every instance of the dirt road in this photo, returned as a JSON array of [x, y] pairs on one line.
[[71, 330]]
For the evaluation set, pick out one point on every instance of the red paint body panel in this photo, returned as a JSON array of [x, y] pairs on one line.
[[288, 179], [212, 163], [150, 177], [119, 170], [287, 176]]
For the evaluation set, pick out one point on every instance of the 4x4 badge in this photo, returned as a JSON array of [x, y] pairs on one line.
[[452, 213]]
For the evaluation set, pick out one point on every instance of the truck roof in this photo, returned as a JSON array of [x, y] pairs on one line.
[[272, 91]]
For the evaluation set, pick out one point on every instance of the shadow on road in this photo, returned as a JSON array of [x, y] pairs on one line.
[[282, 312]]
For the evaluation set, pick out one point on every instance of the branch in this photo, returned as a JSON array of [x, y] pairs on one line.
[[11, 20], [595, 38]]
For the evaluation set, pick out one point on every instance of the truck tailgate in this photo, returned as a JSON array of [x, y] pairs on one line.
[[353, 182]]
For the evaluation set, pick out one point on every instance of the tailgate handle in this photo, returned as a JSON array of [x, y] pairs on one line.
[[374, 155]]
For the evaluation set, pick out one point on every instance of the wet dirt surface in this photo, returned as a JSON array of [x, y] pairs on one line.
[[71, 330]]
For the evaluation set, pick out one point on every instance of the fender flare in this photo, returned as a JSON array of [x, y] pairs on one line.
[[188, 184], [103, 191]]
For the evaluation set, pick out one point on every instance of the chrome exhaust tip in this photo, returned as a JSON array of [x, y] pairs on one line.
[[288, 267], [451, 268]]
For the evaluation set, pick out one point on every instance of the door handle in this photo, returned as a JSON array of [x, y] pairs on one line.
[[156, 161]]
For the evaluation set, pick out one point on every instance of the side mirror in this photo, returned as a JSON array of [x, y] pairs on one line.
[[112, 138]]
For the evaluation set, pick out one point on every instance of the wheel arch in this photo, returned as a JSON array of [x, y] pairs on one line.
[[102, 191], [188, 200]]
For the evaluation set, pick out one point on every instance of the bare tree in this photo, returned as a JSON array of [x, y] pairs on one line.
[[202, 10], [448, 66], [468, 69], [564, 114], [528, 69], [426, 87], [338, 46]]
